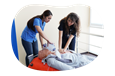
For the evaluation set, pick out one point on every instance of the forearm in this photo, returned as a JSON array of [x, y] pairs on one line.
[[60, 40], [60, 43], [68, 42], [41, 40], [41, 33]]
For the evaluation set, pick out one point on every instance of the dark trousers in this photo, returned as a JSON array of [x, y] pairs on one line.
[[72, 43], [30, 48]]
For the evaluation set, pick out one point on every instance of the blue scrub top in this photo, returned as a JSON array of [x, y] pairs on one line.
[[30, 35]]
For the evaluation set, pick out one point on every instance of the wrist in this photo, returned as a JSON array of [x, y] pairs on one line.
[[59, 48], [47, 40], [64, 49], [42, 45]]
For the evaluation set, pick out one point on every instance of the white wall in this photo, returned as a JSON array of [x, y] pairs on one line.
[[24, 16], [51, 28], [84, 14], [96, 40]]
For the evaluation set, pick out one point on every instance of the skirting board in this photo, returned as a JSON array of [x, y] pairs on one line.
[[88, 53]]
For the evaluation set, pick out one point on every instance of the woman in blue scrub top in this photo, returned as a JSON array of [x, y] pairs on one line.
[[35, 25], [68, 28]]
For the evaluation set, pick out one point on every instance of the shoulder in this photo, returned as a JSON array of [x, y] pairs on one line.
[[62, 22], [37, 19]]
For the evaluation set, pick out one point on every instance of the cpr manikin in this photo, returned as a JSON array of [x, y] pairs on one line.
[[61, 61]]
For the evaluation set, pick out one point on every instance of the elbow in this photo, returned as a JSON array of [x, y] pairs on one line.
[[40, 32]]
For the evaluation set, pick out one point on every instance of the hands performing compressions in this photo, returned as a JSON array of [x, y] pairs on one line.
[[51, 49], [62, 51]]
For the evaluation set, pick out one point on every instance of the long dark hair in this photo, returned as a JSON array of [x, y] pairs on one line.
[[30, 22], [74, 17]]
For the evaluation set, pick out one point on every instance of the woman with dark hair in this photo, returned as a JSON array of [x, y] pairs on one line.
[[68, 28], [35, 25]]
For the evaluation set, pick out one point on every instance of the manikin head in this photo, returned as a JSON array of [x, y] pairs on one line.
[[43, 53], [46, 51]]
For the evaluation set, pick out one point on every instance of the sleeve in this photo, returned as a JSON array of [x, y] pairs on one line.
[[73, 32], [36, 22], [61, 26], [43, 27]]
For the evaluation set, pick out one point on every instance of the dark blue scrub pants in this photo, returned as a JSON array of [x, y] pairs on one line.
[[72, 43], [30, 48]]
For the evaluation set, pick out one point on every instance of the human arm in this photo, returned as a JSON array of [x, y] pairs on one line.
[[60, 39], [61, 28], [68, 42], [41, 40], [42, 34]]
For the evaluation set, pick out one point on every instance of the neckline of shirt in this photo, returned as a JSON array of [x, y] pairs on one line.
[[41, 21]]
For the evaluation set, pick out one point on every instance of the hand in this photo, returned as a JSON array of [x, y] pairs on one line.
[[48, 42], [53, 52], [62, 51]]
